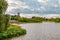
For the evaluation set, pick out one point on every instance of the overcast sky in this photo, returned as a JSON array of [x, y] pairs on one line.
[[34, 6]]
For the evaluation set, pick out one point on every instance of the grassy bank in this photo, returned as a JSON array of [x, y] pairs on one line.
[[12, 31]]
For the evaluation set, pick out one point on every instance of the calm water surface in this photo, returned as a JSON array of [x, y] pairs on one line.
[[40, 31]]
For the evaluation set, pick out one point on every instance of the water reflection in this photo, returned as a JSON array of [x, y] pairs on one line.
[[40, 31]]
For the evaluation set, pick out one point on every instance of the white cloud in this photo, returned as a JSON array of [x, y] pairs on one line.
[[56, 5], [21, 4], [38, 9], [40, 15], [14, 4], [43, 1], [59, 2], [40, 6], [29, 15], [32, 9]]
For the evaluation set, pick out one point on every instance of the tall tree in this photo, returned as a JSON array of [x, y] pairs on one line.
[[3, 7]]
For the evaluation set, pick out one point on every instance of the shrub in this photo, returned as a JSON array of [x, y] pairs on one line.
[[12, 32]]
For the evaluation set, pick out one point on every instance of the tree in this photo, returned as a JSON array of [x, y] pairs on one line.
[[3, 7], [7, 17]]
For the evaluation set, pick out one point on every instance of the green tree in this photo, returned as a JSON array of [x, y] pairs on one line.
[[7, 17], [3, 7]]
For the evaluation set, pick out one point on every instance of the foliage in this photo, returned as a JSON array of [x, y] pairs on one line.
[[7, 18], [56, 20], [12, 31], [4, 22], [34, 19], [24, 19], [3, 7]]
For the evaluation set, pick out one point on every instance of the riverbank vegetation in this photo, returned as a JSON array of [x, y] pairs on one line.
[[34, 19], [12, 31], [6, 29]]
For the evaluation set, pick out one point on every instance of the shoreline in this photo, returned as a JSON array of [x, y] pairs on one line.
[[18, 24]]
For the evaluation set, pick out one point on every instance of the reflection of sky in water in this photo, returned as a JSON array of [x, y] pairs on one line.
[[41, 31]]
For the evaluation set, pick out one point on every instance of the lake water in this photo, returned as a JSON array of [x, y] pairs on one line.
[[40, 31]]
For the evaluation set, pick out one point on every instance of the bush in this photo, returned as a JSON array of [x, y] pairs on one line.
[[12, 32]]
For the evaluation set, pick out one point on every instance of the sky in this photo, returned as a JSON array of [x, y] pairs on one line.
[[33, 6]]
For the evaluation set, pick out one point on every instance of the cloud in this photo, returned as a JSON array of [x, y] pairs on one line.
[[40, 15], [13, 4], [43, 1], [34, 6]]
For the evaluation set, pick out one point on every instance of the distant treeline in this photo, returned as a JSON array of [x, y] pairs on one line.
[[34, 19]]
